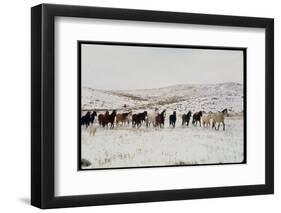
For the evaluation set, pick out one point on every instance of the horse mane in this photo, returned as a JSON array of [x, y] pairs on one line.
[[224, 111], [125, 114], [113, 113]]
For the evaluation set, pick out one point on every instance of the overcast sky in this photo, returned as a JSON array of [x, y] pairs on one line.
[[126, 67]]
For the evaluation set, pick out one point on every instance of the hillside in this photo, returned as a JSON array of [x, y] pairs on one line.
[[207, 97]]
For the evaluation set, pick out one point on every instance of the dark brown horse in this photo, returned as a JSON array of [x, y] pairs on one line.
[[110, 119], [102, 118], [197, 118], [186, 118], [160, 119]]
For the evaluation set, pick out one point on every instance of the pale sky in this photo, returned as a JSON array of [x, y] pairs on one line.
[[111, 67]]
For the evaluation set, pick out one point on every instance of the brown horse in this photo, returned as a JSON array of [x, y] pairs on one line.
[[102, 118], [160, 119], [123, 118]]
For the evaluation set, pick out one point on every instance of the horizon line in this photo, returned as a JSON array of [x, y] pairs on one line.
[[170, 85]]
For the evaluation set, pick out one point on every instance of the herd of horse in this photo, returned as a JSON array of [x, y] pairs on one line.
[[155, 119]]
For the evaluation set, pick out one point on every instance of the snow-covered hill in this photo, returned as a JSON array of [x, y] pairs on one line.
[[207, 97]]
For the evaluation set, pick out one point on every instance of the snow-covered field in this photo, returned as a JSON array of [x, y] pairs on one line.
[[141, 147]]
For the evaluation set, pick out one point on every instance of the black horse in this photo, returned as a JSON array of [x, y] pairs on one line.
[[186, 118], [173, 119], [197, 118], [137, 119], [92, 118], [85, 120]]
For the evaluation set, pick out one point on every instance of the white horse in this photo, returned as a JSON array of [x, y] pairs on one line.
[[151, 118], [128, 119], [92, 130], [206, 119], [218, 118]]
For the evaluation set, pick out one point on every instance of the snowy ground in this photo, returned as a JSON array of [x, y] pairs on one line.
[[128, 147]]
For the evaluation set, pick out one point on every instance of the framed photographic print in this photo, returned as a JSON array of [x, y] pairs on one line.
[[140, 106]]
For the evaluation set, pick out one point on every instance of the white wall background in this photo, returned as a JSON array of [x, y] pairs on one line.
[[15, 103]]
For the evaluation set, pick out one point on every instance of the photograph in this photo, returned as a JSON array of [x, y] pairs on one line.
[[156, 105]]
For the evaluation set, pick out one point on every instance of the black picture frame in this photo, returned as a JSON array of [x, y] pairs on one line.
[[43, 105]]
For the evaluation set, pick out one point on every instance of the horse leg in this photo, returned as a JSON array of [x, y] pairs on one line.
[[214, 125], [219, 126], [223, 124]]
